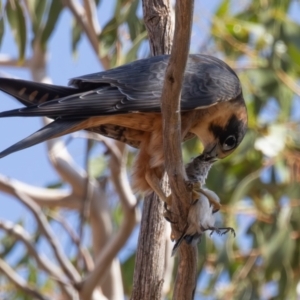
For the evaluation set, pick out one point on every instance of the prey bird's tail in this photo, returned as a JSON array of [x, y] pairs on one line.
[[33, 93], [57, 128]]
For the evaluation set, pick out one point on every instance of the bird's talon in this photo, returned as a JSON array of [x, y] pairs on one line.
[[189, 186]]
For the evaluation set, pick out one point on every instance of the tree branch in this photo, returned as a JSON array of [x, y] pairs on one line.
[[151, 252], [64, 262], [91, 14], [42, 196], [171, 93], [65, 166], [81, 17], [88, 261], [159, 21], [8, 61], [20, 282], [113, 246], [20, 234]]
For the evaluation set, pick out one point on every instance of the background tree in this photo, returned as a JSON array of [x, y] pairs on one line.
[[258, 185]]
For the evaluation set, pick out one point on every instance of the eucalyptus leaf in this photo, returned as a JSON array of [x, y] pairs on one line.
[[16, 17], [53, 15]]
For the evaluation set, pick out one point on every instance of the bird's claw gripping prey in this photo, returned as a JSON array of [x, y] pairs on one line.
[[200, 219], [124, 104], [205, 203]]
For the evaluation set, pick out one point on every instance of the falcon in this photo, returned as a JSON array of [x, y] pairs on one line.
[[124, 104]]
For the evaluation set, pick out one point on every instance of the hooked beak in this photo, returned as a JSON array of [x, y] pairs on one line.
[[210, 153]]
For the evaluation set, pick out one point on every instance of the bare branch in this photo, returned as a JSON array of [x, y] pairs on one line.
[[89, 263], [171, 101], [65, 166], [64, 262], [8, 61], [91, 14], [159, 22], [288, 81], [169, 262], [109, 143], [119, 176], [113, 246], [20, 282], [42, 196], [186, 272], [81, 17], [150, 256], [20, 234]]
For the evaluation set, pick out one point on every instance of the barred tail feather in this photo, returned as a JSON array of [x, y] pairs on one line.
[[55, 129]]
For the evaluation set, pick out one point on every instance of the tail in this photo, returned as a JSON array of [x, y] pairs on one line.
[[33, 93], [55, 129]]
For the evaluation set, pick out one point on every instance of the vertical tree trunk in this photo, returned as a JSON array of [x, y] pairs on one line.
[[150, 257]]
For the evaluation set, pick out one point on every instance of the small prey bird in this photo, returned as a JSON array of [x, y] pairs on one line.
[[124, 104], [205, 203]]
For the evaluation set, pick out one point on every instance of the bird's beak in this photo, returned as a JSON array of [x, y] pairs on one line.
[[211, 153]]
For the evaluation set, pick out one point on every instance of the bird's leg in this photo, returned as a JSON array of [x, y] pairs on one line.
[[212, 198], [154, 183], [210, 195]]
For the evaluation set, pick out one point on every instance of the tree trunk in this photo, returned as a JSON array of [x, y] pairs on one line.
[[150, 256]]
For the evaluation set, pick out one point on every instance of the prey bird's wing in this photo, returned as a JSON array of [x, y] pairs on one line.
[[135, 87]]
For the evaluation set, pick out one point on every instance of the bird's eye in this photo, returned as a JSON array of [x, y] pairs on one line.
[[229, 143]]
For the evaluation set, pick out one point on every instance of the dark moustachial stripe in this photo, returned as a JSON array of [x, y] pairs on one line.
[[234, 127]]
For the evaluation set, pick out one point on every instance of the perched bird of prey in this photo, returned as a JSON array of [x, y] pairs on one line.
[[124, 104]]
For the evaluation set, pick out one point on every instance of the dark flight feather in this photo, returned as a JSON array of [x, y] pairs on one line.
[[135, 87]]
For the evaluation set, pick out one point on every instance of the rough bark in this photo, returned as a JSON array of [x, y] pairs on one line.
[[159, 22], [186, 273], [150, 257]]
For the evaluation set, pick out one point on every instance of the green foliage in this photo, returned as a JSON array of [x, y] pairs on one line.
[[262, 43], [53, 14], [16, 17], [127, 274]]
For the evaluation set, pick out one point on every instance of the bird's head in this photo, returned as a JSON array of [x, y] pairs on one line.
[[223, 139]]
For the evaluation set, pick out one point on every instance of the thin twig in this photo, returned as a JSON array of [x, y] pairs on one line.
[[65, 166], [20, 282], [20, 234], [88, 260], [81, 17], [42, 196], [63, 260], [288, 81], [91, 14], [8, 61]]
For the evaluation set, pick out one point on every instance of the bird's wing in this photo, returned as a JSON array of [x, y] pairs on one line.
[[55, 129], [137, 87]]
